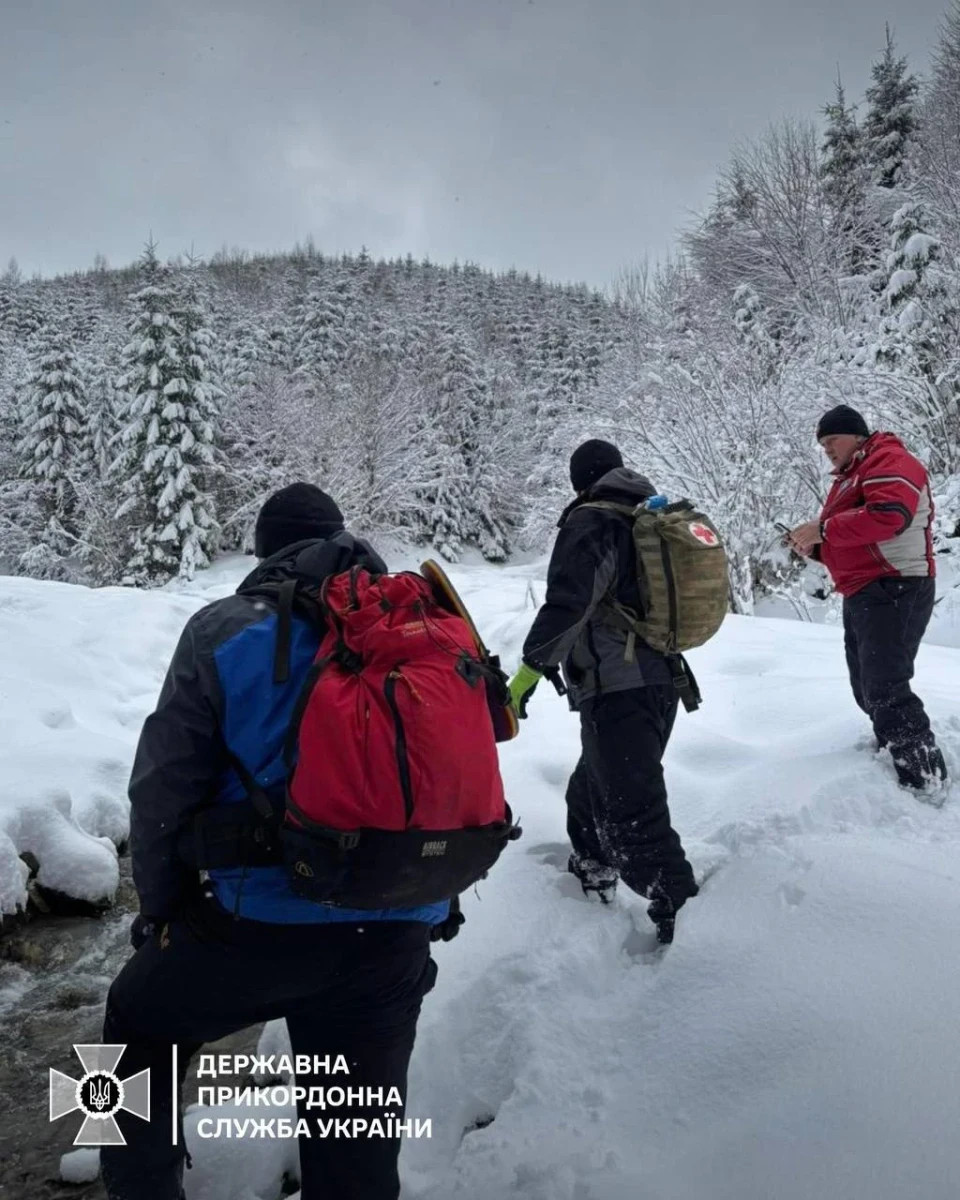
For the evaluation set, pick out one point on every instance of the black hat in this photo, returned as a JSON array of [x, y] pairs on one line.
[[591, 462], [294, 514], [842, 419]]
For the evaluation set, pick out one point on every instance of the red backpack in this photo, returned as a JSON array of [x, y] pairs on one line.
[[394, 795]]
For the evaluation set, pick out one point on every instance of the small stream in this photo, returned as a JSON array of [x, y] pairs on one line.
[[54, 975], [55, 972]]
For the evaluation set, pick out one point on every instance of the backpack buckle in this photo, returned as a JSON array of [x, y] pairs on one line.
[[469, 669], [348, 659], [552, 675]]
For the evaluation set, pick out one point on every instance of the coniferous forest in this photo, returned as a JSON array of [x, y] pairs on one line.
[[146, 412]]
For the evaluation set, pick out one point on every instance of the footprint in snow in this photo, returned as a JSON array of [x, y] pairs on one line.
[[555, 774], [59, 718], [642, 943], [791, 895], [551, 854]]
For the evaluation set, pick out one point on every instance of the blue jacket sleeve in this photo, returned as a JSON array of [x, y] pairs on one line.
[[179, 759]]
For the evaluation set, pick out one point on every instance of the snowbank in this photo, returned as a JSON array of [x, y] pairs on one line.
[[80, 670]]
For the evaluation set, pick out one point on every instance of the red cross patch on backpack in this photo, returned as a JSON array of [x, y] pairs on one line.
[[394, 796]]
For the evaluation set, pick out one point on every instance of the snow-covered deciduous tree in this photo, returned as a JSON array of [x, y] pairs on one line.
[[938, 140]]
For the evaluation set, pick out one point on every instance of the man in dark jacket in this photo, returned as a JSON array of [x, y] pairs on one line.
[[618, 819], [216, 958], [875, 538]]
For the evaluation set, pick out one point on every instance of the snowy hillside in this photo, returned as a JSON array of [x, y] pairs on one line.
[[798, 1040]]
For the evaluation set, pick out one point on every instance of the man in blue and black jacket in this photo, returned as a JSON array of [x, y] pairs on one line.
[[216, 957], [618, 819]]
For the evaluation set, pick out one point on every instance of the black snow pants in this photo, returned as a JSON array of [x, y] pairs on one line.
[[617, 812], [344, 989], [883, 624]]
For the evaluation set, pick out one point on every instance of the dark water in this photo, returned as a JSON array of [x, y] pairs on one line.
[[55, 972], [54, 976]]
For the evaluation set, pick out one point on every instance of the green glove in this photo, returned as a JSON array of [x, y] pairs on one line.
[[522, 686]]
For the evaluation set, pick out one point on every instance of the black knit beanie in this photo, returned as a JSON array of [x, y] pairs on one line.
[[294, 514], [591, 462], [842, 419]]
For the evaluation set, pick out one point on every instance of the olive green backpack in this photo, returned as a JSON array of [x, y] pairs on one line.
[[682, 576]]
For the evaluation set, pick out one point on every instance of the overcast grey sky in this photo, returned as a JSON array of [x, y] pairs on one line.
[[562, 136]]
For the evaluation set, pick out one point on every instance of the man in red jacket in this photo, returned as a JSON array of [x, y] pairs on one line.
[[874, 537]]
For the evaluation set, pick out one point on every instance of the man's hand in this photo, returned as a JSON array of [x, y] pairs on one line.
[[805, 537], [142, 929], [522, 686], [448, 929]]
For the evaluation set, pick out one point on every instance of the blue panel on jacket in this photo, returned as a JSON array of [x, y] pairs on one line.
[[256, 714]]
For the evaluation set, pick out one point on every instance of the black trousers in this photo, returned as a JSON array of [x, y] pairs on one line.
[[617, 811], [882, 625], [344, 989]]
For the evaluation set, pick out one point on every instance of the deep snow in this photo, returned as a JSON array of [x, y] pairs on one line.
[[799, 1038]]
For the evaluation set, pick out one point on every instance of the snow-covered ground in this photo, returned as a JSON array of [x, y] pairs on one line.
[[799, 1038], [944, 629]]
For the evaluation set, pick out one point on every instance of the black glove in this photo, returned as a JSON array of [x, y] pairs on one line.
[[448, 929], [665, 903], [142, 929]]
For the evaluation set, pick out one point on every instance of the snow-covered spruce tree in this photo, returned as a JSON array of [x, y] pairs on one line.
[[324, 329], [99, 551], [167, 432], [891, 119], [52, 416], [749, 319], [443, 504], [18, 513], [844, 180], [261, 448], [466, 396], [242, 356], [919, 339], [29, 315]]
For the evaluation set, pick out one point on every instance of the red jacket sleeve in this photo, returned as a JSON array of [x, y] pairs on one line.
[[892, 481]]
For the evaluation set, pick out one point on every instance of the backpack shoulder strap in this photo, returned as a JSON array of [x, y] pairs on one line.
[[299, 708], [625, 510], [290, 595], [281, 657], [255, 793]]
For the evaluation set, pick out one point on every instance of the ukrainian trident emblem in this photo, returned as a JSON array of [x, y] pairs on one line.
[[100, 1094]]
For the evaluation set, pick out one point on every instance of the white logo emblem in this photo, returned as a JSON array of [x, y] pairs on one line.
[[100, 1094]]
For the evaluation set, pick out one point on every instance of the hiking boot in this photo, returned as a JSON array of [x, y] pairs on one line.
[[594, 877], [923, 769]]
